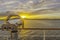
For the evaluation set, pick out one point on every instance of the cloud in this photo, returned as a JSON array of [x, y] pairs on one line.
[[10, 2], [20, 4]]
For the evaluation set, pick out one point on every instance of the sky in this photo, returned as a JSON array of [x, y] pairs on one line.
[[9, 5]]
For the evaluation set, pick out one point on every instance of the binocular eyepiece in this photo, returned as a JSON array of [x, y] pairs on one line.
[[12, 23]]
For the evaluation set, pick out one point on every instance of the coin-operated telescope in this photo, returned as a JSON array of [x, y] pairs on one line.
[[12, 23]]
